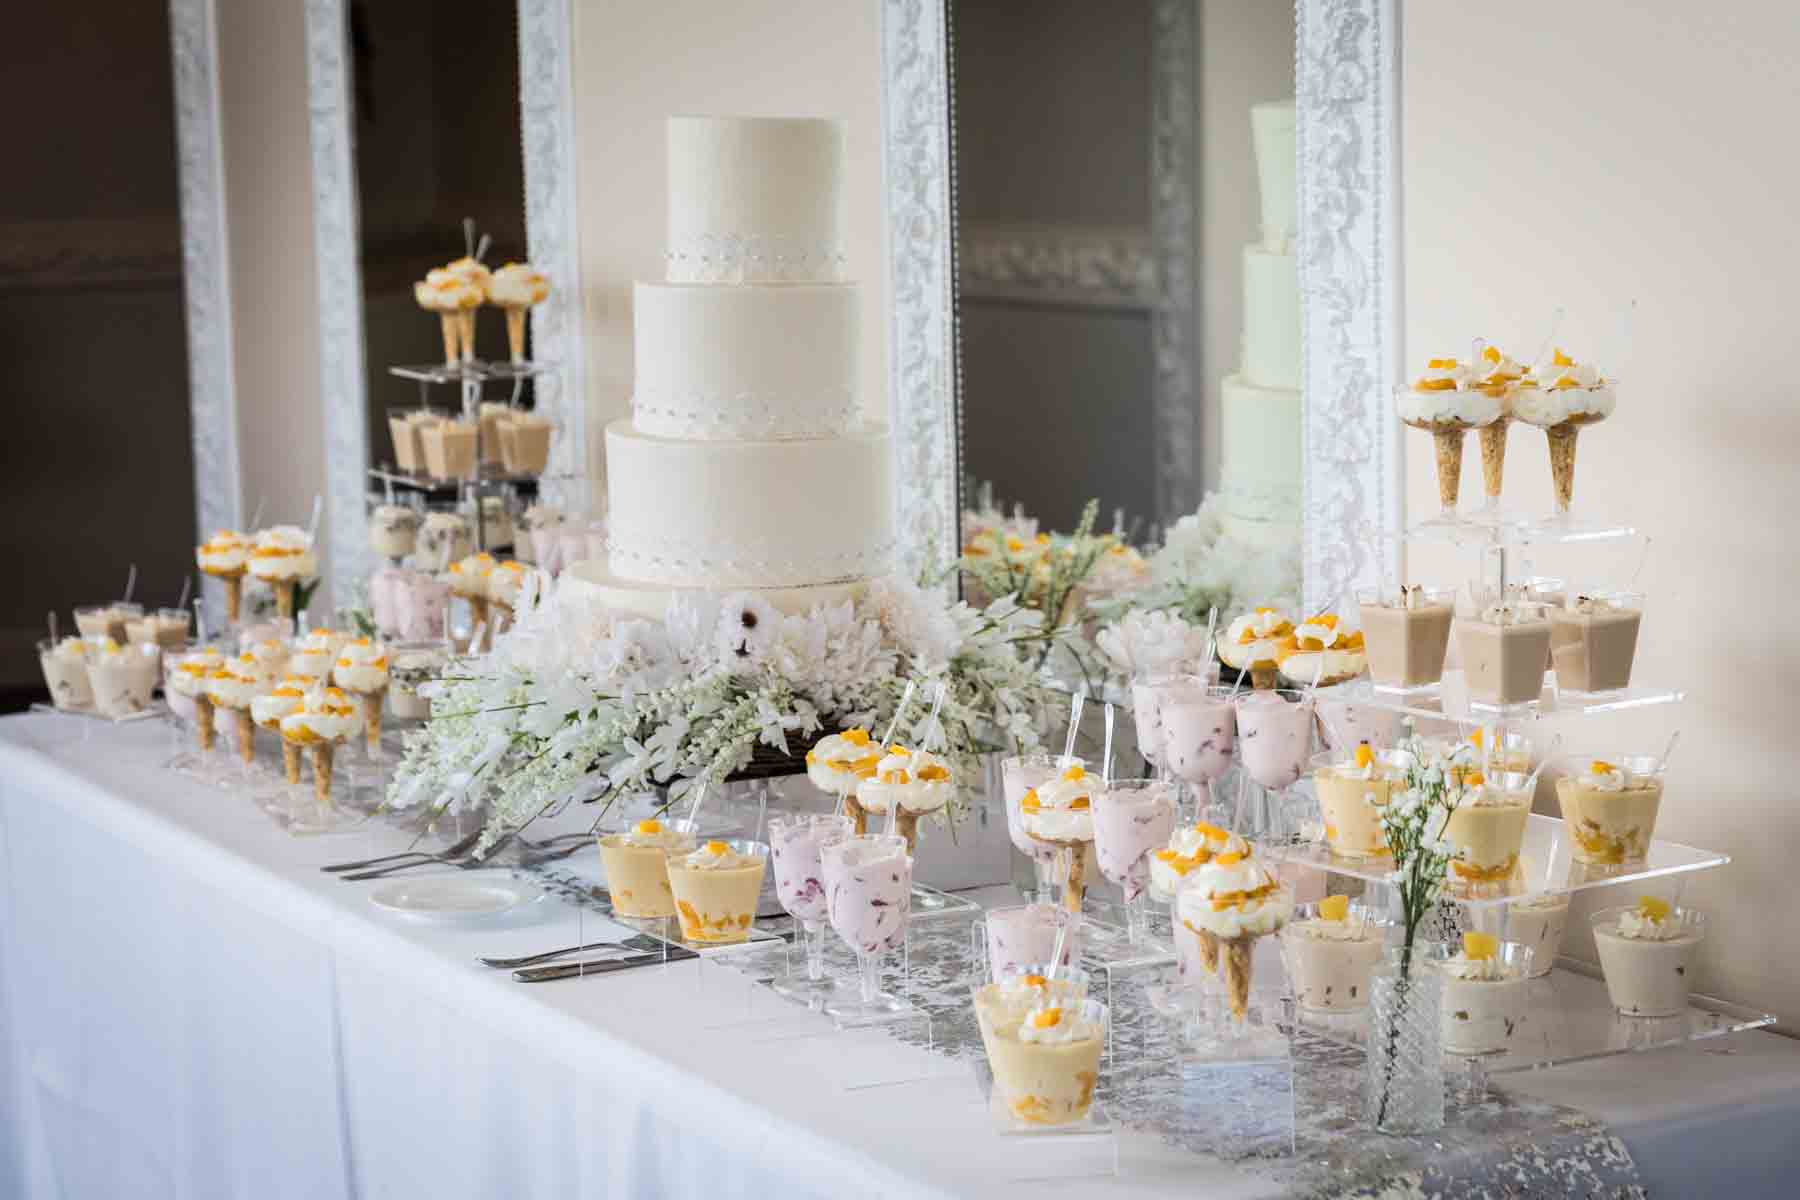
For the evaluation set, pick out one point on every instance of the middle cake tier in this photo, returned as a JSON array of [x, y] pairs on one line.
[[745, 360], [749, 513]]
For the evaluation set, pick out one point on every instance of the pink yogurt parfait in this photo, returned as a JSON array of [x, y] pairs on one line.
[[1275, 736]]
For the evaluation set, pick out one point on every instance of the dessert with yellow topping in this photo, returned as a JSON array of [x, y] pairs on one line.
[[1331, 949], [636, 863], [1353, 790], [233, 687], [1646, 952], [838, 763], [325, 718], [1487, 827], [1609, 808], [267, 710], [1230, 902], [1447, 401], [715, 889], [1188, 848], [361, 669], [66, 672], [226, 557], [515, 289], [185, 689], [454, 292], [282, 557], [1321, 651], [913, 782], [1060, 814], [1408, 634], [1253, 643], [1561, 399], [1486, 996], [1045, 1059]]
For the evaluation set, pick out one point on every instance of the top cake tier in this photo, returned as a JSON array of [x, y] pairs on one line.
[[1273, 131], [756, 200]]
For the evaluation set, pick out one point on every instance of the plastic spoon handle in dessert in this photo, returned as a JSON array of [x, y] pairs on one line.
[[312, 526], [929, 737], [256, 513], [130, 583], [187, 586], [1212, 630], [1075, 704], [1555, 745], [1667, 751], [694, 809], [1106, 748], [53, 638], [1062, 940], [887, 739]]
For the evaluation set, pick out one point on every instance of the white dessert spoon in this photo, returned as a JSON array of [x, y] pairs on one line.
[[1212, 649], [924, 740], [1107, 747], [1667, 751], [130, 583], [1076, 703]]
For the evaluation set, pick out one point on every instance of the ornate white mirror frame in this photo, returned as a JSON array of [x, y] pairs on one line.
[[1347, 72], [548, 134]]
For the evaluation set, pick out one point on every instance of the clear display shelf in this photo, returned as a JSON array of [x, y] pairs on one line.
[[491, 474], [1450, 700], [1571, 1020], [471, 372], [1504, 528], [1546, 864]]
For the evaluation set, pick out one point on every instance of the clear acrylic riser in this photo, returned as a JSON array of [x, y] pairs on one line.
[[1450, 700], [491, 475], [1506, 527], [1570, 1020], [1546, 864], [477, 371]]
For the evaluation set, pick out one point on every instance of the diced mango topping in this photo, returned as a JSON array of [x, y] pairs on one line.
[[1653, 908], [933, 773], [1049, 1018], [1030, 803], [1230, 858], [1441, 364], [895, 777], [1559, 359], [1211, 831], [1435, 385], [717, 848], [902, 751], [1334, 908], [1075, 774], [1036, 981], [1492, 354], [1478, 945], [1014, 544], [1365, 756], [1474, 779], [857, 737], [1597, 767], [651, 825], [1078, 803]]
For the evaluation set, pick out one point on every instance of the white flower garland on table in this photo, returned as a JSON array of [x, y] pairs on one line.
[[574, 690]]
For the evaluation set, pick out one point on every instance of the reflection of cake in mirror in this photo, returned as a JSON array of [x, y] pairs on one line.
[[748, 462], [1260, 404]]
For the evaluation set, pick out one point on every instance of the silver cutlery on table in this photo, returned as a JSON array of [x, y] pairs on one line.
[[470, 862], [602, 966], [461, 847], [637, 943]]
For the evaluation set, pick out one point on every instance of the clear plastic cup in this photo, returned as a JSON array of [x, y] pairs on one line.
[[66, 674], [1648, 976]]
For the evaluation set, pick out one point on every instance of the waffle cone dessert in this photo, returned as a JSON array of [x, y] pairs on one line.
[[321, 754], [1562, 458], [452, 325], [859, 816], [1449, 443], [1075, 891], [290, 761], [515, 332], [284, 598], [234, 595], [246, 734], [1263, 678], [1493, 457], [203, 721], [1209, 948], [907, 825], [1235, 959], [372, 703]]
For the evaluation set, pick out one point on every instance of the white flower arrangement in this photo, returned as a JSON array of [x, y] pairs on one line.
[[574, 691], [1414, 821], [1200, 567], [1152, 642]]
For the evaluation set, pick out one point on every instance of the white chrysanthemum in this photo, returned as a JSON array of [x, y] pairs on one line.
[[1152, 643], [747, 624]]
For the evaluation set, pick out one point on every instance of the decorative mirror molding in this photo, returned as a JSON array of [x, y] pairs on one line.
[[552, 230], [206, 266], [1347, 71], [1174, 214], [916, 165], [343, 377]]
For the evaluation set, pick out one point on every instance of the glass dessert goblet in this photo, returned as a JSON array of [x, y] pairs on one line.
[[796, 846], [868, 894]]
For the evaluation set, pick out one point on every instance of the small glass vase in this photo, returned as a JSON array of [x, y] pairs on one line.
[[1403, 1087]]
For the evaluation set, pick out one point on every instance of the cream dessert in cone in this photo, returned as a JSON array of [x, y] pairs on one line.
[[1189, 848], [325, 718], [838, 764], [226, 556], [514, 290], [469, 580], [511, 584], [233, 687], [910, 784], [315, 655], [184, 682], [1447, 401], [454, 297], [1561, 400], [1498, 375], [282, 557], [362, 671], [1060, 813], [1320, 650], [1230, 902], [1253, 643], [475, 275], [268, 709]]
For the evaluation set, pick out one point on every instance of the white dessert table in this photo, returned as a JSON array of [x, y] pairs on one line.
[[190, 1008]]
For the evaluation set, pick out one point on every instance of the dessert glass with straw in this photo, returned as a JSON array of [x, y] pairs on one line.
[[796, 844]]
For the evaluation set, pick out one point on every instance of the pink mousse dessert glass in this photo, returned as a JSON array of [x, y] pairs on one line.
[[795, 845], [868, 896]]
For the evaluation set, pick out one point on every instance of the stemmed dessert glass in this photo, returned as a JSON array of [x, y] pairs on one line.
[[796, 843], [1274, 741], [1018, 776], [868, 888], [1199, 736], [1133, 818]]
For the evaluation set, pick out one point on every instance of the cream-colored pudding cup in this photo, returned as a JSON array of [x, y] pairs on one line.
[[1351, 806], [1486, 1016], [1488, 833], [1406, 645], [1504, 664], [66, 675], [1049, 1083], [1538, 922], [1648, 977], [1612, 827], [1330, 963], [718, 904], [1593, 651], [1008, 998], [637, 876]]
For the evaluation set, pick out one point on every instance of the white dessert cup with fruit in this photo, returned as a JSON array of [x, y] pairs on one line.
[[1609, 807], [1046, 1061], [1487, 1000], [636, 865], [1647, 955], [716, 888], [1331, 949]]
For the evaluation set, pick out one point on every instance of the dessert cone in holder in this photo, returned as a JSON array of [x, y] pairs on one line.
[[1493, 458], [290, 761], [203, 721], [1075, 880], [372, 703], [515, 331], [284, 597], [322, 753], [906, 824], [465, 325], [1234, 963], [1562, 457], [452, 328], [1209, 948], [1264, 676], [478, 616], [859, 816], [1448, 438], [246, 735], [234, 595]]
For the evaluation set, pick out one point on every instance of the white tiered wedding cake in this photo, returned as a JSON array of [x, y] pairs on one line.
[[747, 462], [1260, 451]]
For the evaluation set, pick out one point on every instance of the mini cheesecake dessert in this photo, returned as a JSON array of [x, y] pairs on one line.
[[1486, 994], [1046, 1059], [1538, 922], [1320, 651], [1331, 950], [1594, 639], [1487, 827], [1610, 809], [1353, 791], [715, 889], [1253, 643], [1505, 650], [1407, 635], [1645, 953], [636, 864]]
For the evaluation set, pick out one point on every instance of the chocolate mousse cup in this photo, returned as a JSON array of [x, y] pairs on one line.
[[1406, 638], [1504, 662], [1593, 641]]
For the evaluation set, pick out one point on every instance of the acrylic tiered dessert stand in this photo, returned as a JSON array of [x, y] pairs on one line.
[[1571, 1017]]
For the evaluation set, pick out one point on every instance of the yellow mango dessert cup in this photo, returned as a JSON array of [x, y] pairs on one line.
[[636, 863], [1046, 1059], [716, 889], [1610, 807]]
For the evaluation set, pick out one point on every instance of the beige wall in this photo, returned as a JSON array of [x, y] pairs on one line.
[[635, 65], [1644, 151], [274, 286]]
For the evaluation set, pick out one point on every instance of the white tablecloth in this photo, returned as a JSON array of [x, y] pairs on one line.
[[189, 1008]]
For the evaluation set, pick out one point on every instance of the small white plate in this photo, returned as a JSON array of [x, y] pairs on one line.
[[455, 899]]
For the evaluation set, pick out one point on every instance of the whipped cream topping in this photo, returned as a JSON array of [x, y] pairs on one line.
[[1602, 776], [1476, 970], [289, 695], [361, 666], [837, 763], [71, 650], [505, 582], [1594, 605], [657, 835], [1517, 613], [1448, 393], [224, 553], [919, 780], [1639, 925], [235, 683], [325, 715], [1061, 810], [517, 285], [1543, 902], [448, 290], [1235, 895], [1495, 369], [469, 576], [1053, 1025], [190, 674], [1563, 390], [719, 856], [1255, 638], [1353, 928], [283, 553]]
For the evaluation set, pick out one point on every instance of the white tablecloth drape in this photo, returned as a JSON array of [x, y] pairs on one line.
[[189, 1008]]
